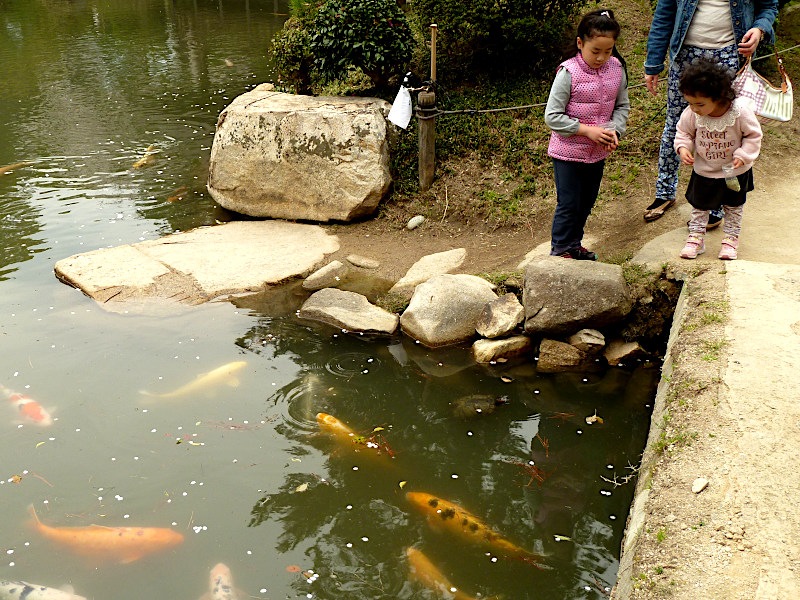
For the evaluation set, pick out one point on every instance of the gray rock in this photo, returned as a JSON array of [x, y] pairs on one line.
[[555, 357], [500, 316], [362, 261], [287, 156], [563, 296], [445, 309], [328, 276], [486, 351], [427, 267], [200, 265], [348, 310], [618, 351], [415, 222], [589, 341]]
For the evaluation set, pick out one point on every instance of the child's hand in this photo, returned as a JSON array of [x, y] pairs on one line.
[[686, 157], [737, 162], [600, 136]]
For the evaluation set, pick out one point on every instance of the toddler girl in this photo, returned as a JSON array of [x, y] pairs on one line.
[[586, 111], [714, 132]]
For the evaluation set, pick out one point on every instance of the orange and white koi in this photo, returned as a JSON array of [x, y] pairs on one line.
[[109, 544], [421, 569], [28, 408], [446, 516], [348, 438]]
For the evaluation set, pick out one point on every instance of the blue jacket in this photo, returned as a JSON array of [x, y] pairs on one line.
[[672, 17]]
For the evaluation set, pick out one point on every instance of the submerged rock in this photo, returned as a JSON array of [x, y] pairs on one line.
[[476, 405]]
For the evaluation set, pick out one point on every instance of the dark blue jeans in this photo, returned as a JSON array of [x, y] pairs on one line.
[[577, 185]]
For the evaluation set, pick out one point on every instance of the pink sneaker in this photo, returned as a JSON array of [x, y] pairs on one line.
[[728, 250], [694, 246]]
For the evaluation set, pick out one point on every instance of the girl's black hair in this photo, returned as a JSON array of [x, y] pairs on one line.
[[709, 79], [597, 22]]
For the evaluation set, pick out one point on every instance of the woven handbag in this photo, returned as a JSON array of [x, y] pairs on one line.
[[772, 105]]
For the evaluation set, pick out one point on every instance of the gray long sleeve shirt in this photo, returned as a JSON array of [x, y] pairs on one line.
[[557, 119]]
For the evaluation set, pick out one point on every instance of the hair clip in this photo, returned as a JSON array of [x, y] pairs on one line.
[[606, 14]]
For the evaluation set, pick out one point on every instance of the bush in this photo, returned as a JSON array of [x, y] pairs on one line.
[[291, 51], [372, 35], [485, 34]]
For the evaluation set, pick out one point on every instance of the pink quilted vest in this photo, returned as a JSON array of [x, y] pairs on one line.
[[592, 99]]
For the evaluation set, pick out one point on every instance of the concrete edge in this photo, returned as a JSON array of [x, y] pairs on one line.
[[623, 587]]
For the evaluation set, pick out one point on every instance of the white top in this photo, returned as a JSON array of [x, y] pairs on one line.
[[711, 25]]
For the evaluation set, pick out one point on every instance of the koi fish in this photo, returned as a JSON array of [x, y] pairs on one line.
[[225, 374], [178, 194], [6, 169], [421, 569], [119, 544], [220, 585], [147, 158], [21, 590], [348, 438], [30, 410], [446, 516]]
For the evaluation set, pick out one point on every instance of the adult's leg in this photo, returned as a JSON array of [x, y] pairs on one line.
[[668, 161], [568, 198]]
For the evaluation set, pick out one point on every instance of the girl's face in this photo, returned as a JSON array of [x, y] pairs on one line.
[[596, 50], [704, 106]]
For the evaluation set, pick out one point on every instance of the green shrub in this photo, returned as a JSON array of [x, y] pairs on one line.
[[372, 35], [291, 52], [485, 34]]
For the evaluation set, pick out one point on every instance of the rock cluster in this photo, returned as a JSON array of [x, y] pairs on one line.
[[565, 304]]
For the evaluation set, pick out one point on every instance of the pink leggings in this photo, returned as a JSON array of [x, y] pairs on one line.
[[732, 226]]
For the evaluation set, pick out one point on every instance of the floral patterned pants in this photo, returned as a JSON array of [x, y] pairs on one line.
[[668, 160]]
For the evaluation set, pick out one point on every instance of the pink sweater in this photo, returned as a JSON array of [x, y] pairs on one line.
[[715, 141]]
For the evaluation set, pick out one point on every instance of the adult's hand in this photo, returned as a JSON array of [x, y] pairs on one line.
[[651, 81], [750, 40]]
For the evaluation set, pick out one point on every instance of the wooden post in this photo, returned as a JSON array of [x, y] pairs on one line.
[[426, 108]]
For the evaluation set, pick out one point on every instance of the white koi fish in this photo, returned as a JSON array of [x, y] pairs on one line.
[[226, 374], [30, 410], [220, 585], [21, 590]]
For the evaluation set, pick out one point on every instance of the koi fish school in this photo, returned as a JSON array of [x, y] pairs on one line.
[[30, 410]]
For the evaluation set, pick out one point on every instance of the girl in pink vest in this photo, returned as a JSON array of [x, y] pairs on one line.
[[587, 110]]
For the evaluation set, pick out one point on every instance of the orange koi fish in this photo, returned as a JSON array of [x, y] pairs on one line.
[[6, 169], [421, 569], [118, 544], [348, 438], [30, 410], [446, 516]]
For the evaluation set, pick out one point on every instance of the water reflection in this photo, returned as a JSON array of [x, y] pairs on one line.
[[243, 471]]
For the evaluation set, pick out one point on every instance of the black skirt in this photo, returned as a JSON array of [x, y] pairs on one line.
[[707, 193]]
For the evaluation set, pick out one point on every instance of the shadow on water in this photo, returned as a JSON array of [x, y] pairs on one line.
[[238, 464]]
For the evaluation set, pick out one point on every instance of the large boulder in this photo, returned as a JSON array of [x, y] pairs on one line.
[[445, 309], [563, 296], [286, 156], [348, 310]]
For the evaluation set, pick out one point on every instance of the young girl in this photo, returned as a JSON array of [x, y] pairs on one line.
[[587, 110], [714, 132]]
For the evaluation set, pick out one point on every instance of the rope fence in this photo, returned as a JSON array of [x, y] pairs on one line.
[[431, 114]]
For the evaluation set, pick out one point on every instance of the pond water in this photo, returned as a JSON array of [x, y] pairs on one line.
[[242, 471]]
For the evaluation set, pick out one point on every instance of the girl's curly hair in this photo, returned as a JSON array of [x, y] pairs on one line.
[[707, 78]]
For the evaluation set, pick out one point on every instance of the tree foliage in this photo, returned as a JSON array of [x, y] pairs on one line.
[[487, 34]]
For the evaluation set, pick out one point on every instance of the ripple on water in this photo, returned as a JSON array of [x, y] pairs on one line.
[[352, 363]]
